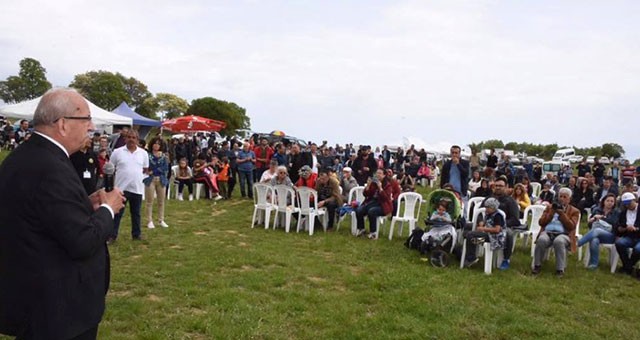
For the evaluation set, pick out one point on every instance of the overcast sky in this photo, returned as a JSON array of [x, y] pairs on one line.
[[362, 71]]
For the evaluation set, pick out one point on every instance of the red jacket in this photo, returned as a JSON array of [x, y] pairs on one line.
[[309, 182], [384, 196], [268, 153]]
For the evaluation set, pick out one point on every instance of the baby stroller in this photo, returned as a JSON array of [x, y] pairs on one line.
[[440, 239]]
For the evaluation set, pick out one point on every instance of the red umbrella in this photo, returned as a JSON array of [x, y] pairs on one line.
[[193, 124]]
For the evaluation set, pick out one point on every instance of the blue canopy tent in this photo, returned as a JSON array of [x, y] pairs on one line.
[[145, 124]]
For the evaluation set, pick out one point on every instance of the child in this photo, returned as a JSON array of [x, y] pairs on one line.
[[441, 214], [492, 230], [223, 177]]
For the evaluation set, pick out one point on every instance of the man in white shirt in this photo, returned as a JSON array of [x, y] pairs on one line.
[[131, 163]]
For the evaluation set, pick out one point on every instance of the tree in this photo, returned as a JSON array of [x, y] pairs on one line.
[[102, 88], [137, 91], [30, 83], [171, 105], [612, 150], [233, 115]]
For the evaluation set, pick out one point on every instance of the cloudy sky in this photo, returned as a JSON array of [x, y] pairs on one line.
[[362, 71]]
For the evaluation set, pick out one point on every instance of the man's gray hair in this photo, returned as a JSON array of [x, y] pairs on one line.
[[283, 168], [54, 104], [566, 191]]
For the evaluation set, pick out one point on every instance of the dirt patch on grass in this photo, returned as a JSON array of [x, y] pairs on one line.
[[200, 233], [197, 311], [231, 232], [235, 203], [355, 270], [316, 279], [242, 244], [135, 257], [175, 247], [154, 298], [218, 212], [246, 268], [120, 293]]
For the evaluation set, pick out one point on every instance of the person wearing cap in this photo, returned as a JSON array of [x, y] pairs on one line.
[[628, 231], [347, 183], [492, 230], [557, 229]]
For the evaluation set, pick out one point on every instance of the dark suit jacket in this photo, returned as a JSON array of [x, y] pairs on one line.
[[54, 264], [463, 167]]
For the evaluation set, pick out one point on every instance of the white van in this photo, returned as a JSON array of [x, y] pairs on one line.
[[564, 154], [552, 167]]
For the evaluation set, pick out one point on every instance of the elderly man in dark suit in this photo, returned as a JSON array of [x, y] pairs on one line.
[[54, 264]]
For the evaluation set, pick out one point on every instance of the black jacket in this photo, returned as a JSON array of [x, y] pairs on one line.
[[463, 167], [54, 264], [622, 223]]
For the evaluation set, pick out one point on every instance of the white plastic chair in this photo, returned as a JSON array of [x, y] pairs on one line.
[[172, 183], [263, 200], [489, 260], [533, 230], [198, 189], [284, 194], [410, 213], [613, 255], [305, 195], [476, 202], [536, 188], [357, 194]]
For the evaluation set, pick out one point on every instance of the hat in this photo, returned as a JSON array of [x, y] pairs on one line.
[[627, 197], [491, 203], [346, 169]]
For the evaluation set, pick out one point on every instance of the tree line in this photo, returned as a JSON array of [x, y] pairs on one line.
[[546, 151], [107, 90]]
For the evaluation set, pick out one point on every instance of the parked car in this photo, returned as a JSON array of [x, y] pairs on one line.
[[591, 159], [535, 160], [604, 160], [576, 159]]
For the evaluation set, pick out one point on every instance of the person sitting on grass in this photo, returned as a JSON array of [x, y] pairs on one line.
[[558, 229], [492, 230], [601, 222]]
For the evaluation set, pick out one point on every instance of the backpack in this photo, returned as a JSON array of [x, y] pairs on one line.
[[415, 239]]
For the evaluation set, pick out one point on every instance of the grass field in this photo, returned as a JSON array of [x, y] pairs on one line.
[[210, 276]]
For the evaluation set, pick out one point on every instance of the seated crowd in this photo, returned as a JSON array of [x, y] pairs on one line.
[[607, 197]]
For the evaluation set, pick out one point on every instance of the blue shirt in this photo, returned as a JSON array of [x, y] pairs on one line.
[[246, 166], [555, 225], [454, 179]]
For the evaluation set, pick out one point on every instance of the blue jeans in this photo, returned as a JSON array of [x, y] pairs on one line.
[[135, 203], [595, 237], [371, 209], [624, 243], [246, 182]]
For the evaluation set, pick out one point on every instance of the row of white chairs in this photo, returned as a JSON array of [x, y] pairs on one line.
[[285, 200]]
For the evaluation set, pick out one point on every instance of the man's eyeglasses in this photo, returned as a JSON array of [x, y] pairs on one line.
[[78, 117]]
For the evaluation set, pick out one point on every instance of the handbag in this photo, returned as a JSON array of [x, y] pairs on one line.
[[602, 224]]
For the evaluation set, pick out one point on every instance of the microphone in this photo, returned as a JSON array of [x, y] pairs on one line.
[[109, 170]]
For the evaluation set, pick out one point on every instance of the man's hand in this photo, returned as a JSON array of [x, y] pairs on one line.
[[631, 228], [320, 204], [115, 199], [455, 160]]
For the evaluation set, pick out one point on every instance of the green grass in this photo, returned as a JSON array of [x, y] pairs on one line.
[[211, 276]]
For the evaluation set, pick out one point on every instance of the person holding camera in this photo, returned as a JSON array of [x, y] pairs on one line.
[[601, 222], [378, 202], [558, 229]]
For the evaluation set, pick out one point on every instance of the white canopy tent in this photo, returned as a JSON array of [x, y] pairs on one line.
[[101, 118]]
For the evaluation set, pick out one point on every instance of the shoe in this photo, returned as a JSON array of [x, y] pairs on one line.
[[180, 197], [559, 273], [163, 224], [535, 270], [592, 267], [190, 197], [217, 198], [623, 270], [150, 225], [360, 232], [137, 238], [468, 263], [504, 265], [373, 236]]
